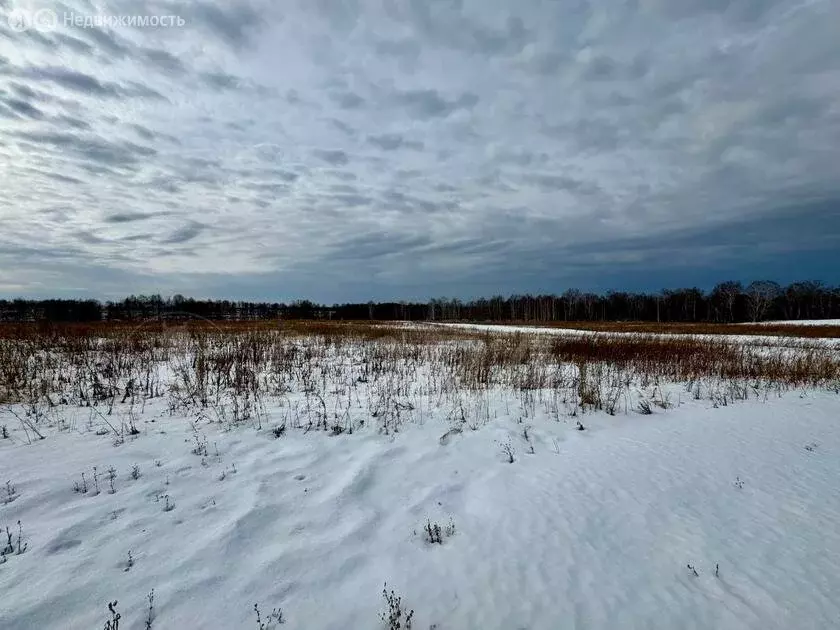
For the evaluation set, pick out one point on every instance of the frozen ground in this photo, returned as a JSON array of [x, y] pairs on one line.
[[592, 530], [585, 529]]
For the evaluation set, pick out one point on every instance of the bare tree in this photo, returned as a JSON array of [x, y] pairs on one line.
[[760, 295], [725, 294]]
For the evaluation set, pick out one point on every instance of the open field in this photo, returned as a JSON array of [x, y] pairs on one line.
[[493, 478], [812, 329]]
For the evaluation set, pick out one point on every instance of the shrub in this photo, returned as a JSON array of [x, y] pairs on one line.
[[274, 618], [114, 622], [643, 408], [112, 476], [435, 534], [395, 617], [508, 452], [150, 613], [10, 548], [11, 493]]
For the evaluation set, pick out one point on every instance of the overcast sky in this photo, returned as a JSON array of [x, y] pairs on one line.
[[353, 149]]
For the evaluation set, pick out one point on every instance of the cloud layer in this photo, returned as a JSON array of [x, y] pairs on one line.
[[355, 149]]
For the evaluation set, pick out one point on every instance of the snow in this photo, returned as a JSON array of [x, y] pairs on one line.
[[750, 340], [594, 529], [802, 322]]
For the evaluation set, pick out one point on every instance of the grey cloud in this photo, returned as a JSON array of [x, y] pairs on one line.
[[587, 133], [344, 188], [407, 48], [86, 84], [435, 143], [72, 80], [163, 183], [143, 132], [89, 238], [70, 121], [468, 245], [77, 45], [604, 68], [128, 217], [336, 157], [430, 104], [348, 100], [164, 60], [747, 10], [378, 245], [547, 63], [352, 200], [286, 176], [221, 80], [24, 91], [233, 24], [393, 141], [449, 24], [184, 234], [273, 188], [786, 228], [343, 175], [107, 40], [393, 198], [552, 182], [34, 36], [343, 127], [24, 108], [133, 88], [91, 148], [64, 178], [137, 237]]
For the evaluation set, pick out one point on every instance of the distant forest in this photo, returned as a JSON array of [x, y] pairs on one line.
[[727, 302]]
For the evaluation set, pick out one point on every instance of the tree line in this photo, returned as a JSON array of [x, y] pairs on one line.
[[727, 302]]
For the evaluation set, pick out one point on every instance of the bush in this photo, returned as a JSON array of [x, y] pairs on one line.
[[114, 622], [10, 548], [508, 452], [395, 617], [435, 534], [274, 618]]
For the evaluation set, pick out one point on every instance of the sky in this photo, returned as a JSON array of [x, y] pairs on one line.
[[346, 150]]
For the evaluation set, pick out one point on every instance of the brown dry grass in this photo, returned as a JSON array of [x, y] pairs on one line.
[[207, 361]]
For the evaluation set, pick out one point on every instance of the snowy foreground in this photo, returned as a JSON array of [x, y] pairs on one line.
[[592, 529]]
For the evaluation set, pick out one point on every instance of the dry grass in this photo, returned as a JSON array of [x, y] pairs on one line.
[[336, 375]]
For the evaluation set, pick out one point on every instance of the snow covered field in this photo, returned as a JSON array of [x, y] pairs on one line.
[[751, 340], [802, 322], [250, 500]]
